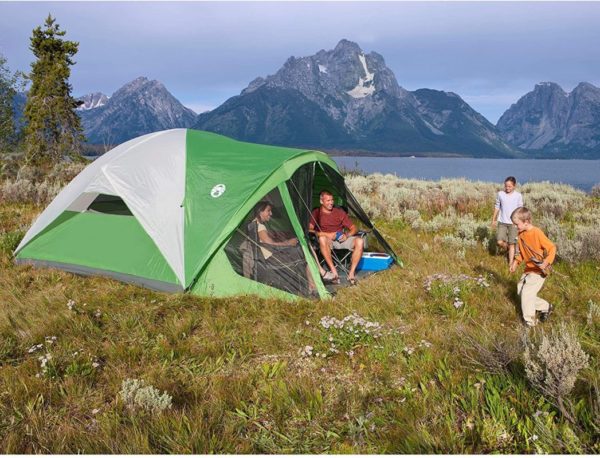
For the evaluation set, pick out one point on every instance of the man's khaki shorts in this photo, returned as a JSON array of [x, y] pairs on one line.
[[507, 232], [347, 244]]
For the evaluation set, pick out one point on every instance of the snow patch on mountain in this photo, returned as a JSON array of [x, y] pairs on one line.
[[365, 85], [91, 101]]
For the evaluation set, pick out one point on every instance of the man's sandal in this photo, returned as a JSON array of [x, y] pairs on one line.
[[330, 277]]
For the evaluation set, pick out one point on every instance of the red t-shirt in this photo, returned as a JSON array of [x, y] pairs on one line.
[[330, 222]]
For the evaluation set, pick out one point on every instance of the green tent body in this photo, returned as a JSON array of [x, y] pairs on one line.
[[168, 211]]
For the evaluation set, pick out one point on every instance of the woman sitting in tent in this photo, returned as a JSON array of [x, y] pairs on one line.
[[272, 258]]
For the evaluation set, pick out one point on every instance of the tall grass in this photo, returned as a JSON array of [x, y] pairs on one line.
[[242, 375], [459, 211]]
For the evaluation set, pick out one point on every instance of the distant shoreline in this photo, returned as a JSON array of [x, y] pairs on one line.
[[454, 156]]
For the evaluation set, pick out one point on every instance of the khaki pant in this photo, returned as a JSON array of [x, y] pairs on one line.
[[528, 287]]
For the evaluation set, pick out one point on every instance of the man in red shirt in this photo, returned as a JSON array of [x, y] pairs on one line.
[[333, 228]]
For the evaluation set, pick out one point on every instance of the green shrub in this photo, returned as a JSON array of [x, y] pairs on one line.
[[9, 241]]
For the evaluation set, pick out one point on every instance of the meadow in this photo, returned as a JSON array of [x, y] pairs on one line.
[[429, 358]]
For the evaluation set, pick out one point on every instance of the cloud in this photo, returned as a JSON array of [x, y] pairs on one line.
[[209, 51]]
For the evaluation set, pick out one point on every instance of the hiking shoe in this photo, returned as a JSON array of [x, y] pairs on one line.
[[545, 315]]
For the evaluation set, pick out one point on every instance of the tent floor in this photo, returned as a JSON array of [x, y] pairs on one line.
[[360, 275]]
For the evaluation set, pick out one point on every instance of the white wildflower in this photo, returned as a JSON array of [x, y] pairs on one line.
[[35, 348], [306, 351]]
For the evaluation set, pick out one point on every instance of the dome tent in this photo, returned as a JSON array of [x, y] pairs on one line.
[[167, 210]]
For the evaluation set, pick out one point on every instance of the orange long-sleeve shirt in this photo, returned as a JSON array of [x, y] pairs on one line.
[[532, 243]]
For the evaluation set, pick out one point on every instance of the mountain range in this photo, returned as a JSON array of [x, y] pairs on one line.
[[344, 100], [548, 122], [347, 100]]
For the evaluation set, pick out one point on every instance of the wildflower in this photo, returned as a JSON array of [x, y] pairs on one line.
[[307, 323], [35, 348], [44, 360], [70, 304], [97, 313], [306, 351], [350, 353], [95, 364], [50, 339], [534, 437]]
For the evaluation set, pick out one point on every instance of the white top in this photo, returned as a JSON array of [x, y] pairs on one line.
[[508, 203], [259, 228]]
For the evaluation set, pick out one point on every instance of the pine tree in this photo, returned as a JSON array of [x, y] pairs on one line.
[[53, 127], [7, 94]]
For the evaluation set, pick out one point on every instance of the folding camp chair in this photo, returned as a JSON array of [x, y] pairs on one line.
[[341, 257], [280, 270]]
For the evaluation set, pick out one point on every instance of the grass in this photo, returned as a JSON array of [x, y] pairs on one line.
[[433, 378]]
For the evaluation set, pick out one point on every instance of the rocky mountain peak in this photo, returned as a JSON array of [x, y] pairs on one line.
[[341, 81], [549, 119], [548, 86], [347, 47], [139, 107], [140, 84], [586, 90]]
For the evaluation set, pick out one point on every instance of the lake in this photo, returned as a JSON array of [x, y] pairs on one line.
[[581, 174]]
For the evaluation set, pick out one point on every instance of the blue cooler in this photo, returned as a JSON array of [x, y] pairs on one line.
[[375, 261]]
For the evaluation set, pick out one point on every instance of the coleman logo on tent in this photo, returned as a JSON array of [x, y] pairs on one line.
[[218, 190]]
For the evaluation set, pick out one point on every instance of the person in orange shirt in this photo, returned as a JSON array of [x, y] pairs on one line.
[[538, 252]]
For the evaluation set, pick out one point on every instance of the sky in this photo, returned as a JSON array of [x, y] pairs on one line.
[[489, 53]]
